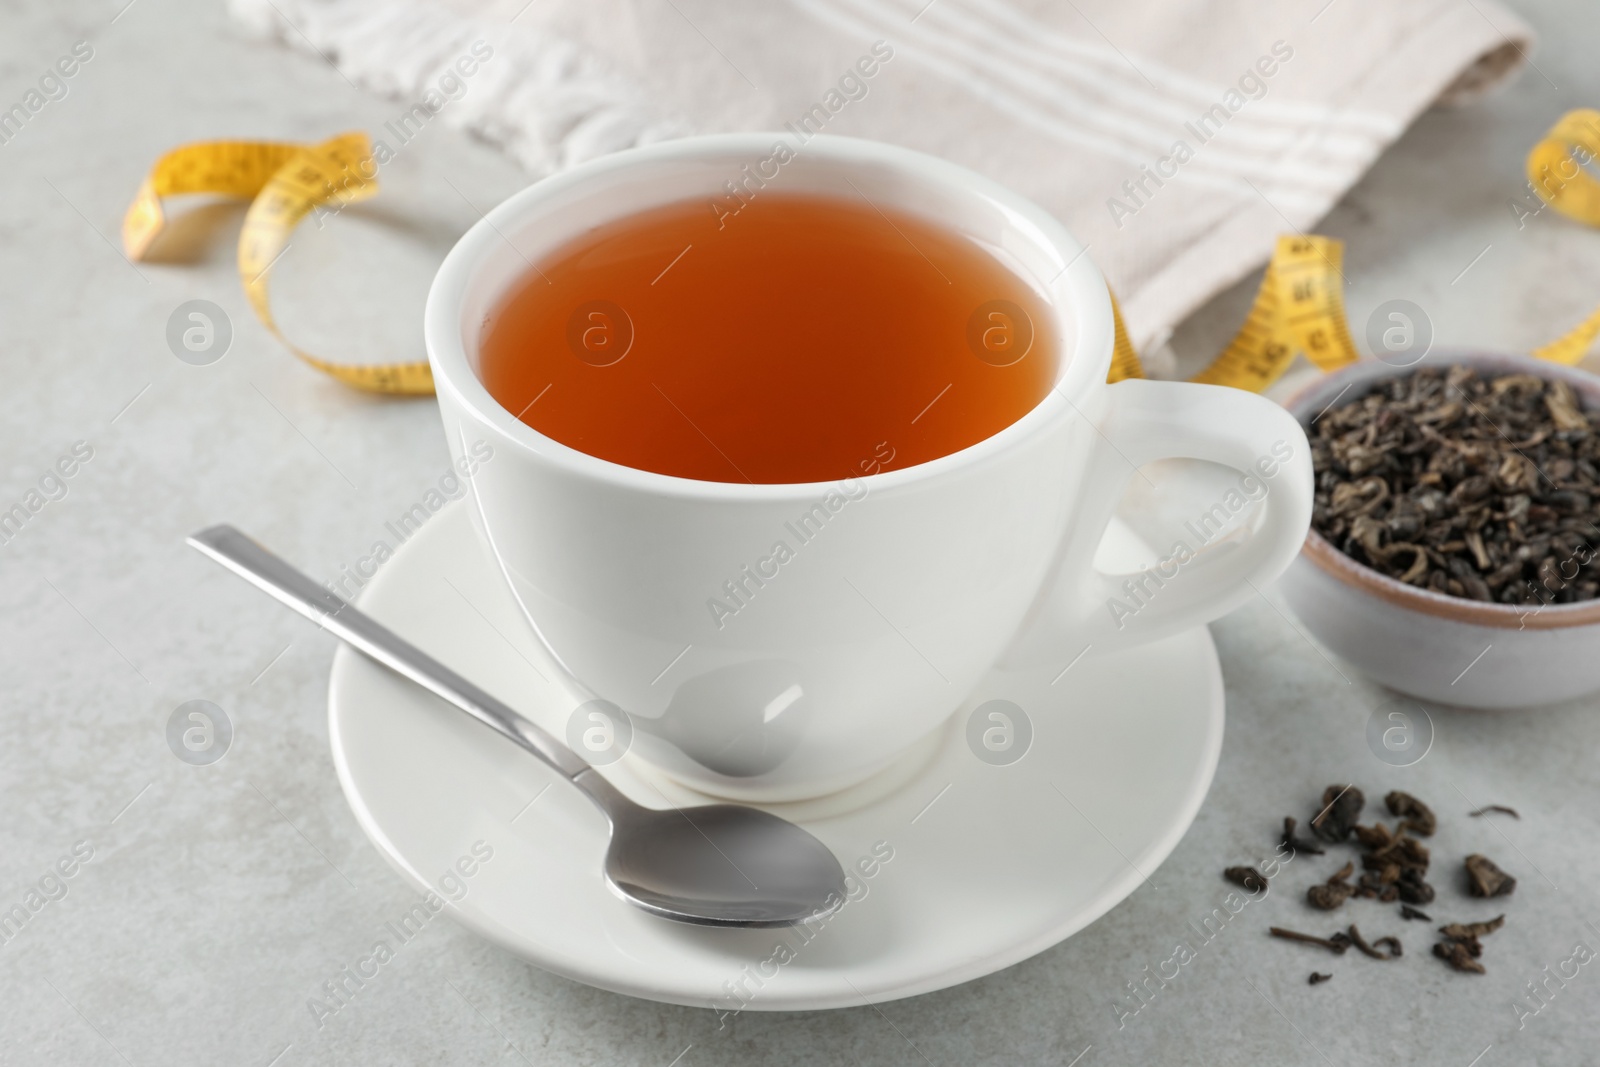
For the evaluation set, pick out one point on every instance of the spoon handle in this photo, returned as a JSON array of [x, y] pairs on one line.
[[236, 551]]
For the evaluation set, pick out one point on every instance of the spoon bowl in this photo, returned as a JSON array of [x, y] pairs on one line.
[[723, 865]]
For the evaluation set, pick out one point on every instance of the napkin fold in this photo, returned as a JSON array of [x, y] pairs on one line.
[[1177, 140]]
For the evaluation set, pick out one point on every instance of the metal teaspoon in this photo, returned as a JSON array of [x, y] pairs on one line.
[[714, 865]]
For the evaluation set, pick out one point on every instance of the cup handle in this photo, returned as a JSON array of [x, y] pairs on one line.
[[1144, 421]]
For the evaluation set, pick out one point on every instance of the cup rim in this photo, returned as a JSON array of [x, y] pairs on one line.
[[1326, 390], [1078, 286]]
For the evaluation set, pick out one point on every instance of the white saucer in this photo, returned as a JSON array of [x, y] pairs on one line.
[[990, 864]]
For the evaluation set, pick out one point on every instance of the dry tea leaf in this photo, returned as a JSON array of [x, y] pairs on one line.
[[1335, 944], [1297, 844], [1412, 889], [1469, 931], [1407, 852], [1562, 403], [1501, 808], [1247, 877], [1329, 896], [1415, 816], [1341, 807], [1370, 950], [1408, 912], [1334, 892], [1462, 948], [1375, 836], [1456, 955], [1484, 879], [1378, 877], [1316, 978]]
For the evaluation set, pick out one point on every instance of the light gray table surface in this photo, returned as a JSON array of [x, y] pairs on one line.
[[219, 898]]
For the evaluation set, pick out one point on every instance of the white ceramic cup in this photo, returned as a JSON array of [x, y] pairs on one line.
[[912, 582]]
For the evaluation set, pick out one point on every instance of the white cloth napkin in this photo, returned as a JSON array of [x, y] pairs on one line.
[[1177, 139]]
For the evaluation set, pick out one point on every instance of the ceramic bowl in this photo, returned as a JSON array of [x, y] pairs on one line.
[[1441, 648]]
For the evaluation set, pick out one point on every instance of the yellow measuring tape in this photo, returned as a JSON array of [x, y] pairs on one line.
[[1556, 169], [1299, 308], [1300, 305], [284, 183]]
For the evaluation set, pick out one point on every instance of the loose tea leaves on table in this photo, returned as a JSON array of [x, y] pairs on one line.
[[1413, 889], [1371, 950], [1341, 807], [1415, 816], [1373, 887], [1375, 836], [1478, 487], [1335, 891], [1501, 808], [1456, 954], [1394, 866], [1246, 877], [1406, 852], [1315, 978], [1461, 946], [1484, 879], [1335, 944], [1295, 844], [1464, 931]]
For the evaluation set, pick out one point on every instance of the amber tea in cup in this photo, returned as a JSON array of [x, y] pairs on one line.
[[805, 338]]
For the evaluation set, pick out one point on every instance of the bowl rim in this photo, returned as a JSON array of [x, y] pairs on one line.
[[1314, 397]]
